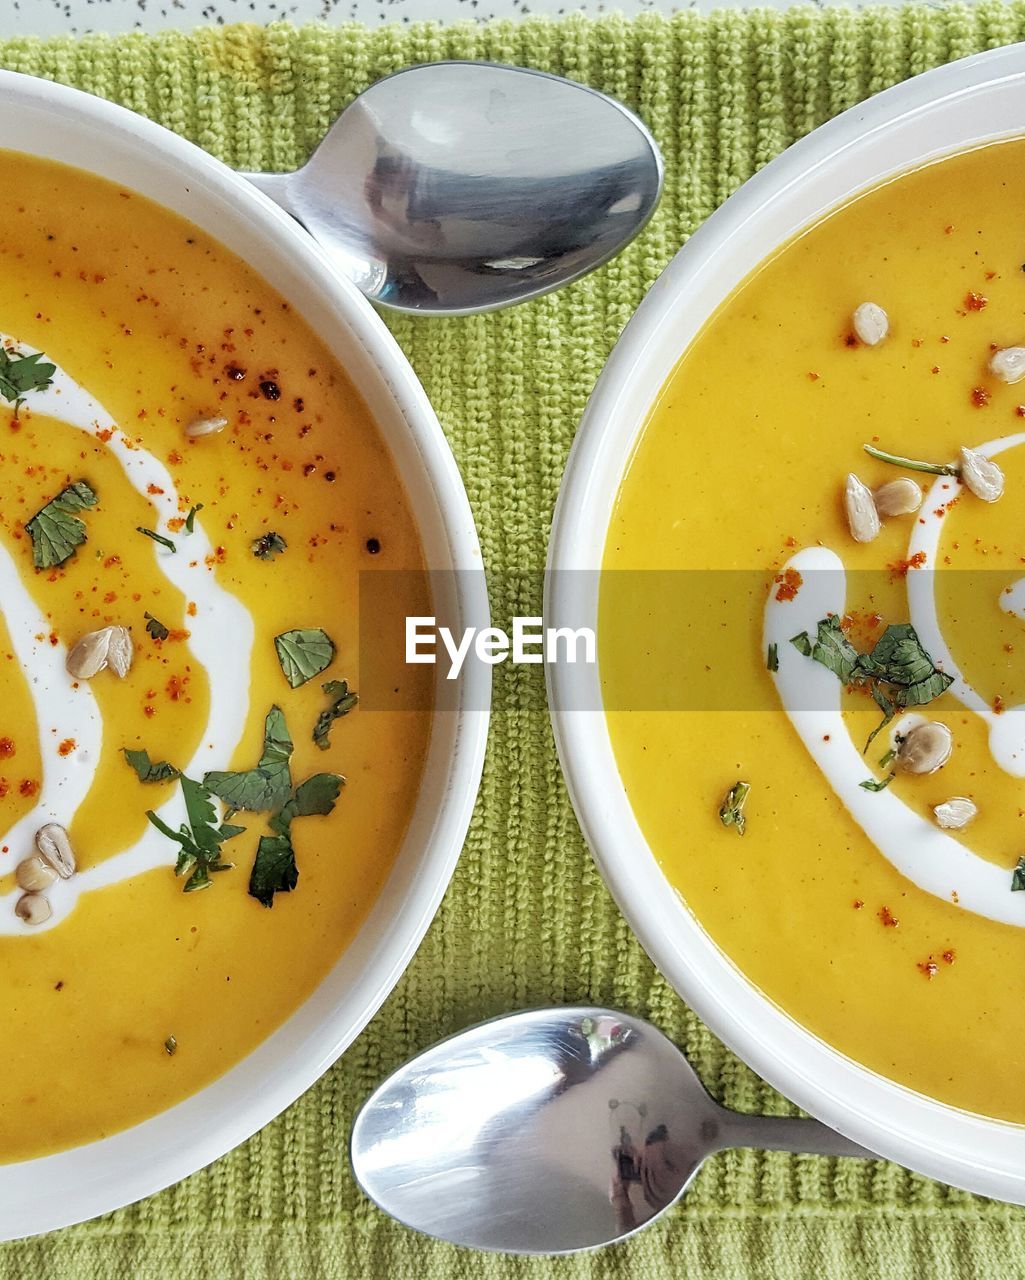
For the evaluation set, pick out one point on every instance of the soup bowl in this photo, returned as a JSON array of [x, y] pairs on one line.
[[67, 126], [954, 108]]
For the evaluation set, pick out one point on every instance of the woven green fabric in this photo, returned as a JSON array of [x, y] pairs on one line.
[[527, 920]]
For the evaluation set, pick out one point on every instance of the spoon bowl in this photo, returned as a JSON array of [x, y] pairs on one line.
[[551, 1131], [457, 187]]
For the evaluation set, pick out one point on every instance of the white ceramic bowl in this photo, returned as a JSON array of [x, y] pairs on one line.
[[62, 124], [955, 107]]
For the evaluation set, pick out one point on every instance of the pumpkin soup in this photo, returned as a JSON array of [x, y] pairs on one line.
[[196, 813], [834, 479]]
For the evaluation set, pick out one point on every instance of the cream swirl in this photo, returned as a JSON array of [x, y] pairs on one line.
[[58, 700]]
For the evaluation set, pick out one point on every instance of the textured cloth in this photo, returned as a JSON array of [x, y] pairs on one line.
[[527, 919]]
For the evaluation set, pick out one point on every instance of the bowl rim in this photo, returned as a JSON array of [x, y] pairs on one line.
[[54, 1191], [980, 1154]]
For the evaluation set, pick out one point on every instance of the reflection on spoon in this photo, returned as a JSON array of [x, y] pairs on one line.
[[551, 1131], [457, 187]]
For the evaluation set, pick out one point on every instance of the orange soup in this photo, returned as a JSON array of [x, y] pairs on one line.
[[835, 781], [197, 812]]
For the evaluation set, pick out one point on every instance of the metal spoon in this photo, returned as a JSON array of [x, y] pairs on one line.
[[551, 1131], [456, 187]]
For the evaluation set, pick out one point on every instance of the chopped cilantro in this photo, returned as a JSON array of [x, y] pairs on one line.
[[268, 545], [190, 519], [55, 530], [274, 870], [342, 702], [731, 811], [898, 672], [772, 661], [304, 653], [266, 787], [20, 374], [1018, 876], [157, 537], [877, 784], [149, 770], [199, 839], [155, 627]]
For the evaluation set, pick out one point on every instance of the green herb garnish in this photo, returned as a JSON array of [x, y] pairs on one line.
[[155, 627], [157, 537], [1018, 876], [898, 672], [266, 787], [884, 760], [877, 784], [275, 870], [731, 811], [772, 660], [268, 545], [190, 519], [200, 839], [303, 654], [55, 530], [148, 770], [912, 464], [342, 702], [21, 374]]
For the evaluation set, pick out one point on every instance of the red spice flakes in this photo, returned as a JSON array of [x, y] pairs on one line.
[[889, 920], [176, 524], [935, 368], [814, 377], [850, 340], [105, 434], [176, 688], [154, 488], [790, 541], [270, 390], [900, 568], [234, 372], [66, 747], [861, 627], [111, 561], [928, 967], [28, 786], [7, 748], [998, 706], [974, 301], [788, 583], [949, 956], [178, 634], [174, 457], [980, 397], [149, 712], [857, 904], [190, 608], [5, 787]]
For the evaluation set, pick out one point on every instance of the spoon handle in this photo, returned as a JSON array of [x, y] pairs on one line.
[[788, 1133]]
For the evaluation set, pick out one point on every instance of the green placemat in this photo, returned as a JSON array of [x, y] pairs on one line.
[[527, 919]]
